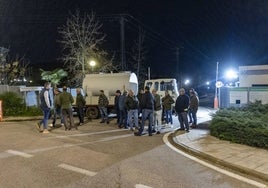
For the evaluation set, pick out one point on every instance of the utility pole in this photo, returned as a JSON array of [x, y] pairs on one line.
[[178, 66], [139, 55], [122, 34]]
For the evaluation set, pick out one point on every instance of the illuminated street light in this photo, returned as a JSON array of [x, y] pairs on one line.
[[92, 64], [231, 74], [186, 82]]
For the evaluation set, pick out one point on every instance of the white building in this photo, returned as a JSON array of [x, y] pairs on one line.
[[253, 76]]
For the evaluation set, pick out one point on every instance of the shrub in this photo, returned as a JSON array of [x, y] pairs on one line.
[[14, 105], [247, 125]]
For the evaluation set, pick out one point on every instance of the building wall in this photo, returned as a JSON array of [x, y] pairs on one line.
[[253, 76]]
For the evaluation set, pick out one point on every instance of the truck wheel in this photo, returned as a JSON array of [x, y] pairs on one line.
[[92, 113]]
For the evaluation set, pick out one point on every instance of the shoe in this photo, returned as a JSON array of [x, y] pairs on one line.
[[137, 134], [45, 131], [193, 126], [62, 124], [181, 129], [153, 131], [107, 122], [150, 134], [131, 129], [102, 121], [187, 131], [158, 132]]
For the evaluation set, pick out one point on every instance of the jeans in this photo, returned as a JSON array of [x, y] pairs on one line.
[[57, 112], [183, 119], [146, 114], [133, 118], [80, 114], [168, 114], [44, 121], [104, 113], [192, 116]]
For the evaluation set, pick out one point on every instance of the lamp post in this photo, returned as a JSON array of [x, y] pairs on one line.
[[92, 64], [216, 101]]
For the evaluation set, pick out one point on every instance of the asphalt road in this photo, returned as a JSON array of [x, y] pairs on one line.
[[97, 155]]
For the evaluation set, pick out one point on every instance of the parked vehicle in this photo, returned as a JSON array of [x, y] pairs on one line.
[[109, 83]]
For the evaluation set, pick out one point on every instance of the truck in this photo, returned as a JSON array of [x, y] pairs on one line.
[[163, 84], [109, 83]]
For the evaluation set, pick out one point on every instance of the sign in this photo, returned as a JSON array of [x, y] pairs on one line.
[[219, 84], [30, 89]]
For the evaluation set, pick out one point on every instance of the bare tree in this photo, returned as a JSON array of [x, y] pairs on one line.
[[81, 40], [138, 57]]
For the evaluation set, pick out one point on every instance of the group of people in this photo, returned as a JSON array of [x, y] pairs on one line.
[[128, 107], [62, 104], [152, 107]]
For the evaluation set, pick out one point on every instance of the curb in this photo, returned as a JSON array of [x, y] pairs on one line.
[[10, 119], [215, 161]]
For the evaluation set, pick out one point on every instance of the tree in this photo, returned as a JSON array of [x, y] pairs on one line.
[[54, 76], [13, 71], [138, 57], [81, 40]]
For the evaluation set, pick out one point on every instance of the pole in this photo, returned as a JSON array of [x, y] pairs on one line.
[[216, 102], [122, 28]]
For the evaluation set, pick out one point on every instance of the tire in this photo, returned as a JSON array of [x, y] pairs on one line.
[[92, 112]]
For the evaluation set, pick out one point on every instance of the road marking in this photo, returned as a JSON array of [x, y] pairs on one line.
[[233, 175], [76, 169], [141, 186], [86, 134], [19, 153]]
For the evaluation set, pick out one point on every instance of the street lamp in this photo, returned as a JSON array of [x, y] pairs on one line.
[[92, 64], [216, 101]]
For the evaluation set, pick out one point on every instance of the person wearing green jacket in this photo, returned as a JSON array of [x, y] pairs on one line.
[[66, 101]]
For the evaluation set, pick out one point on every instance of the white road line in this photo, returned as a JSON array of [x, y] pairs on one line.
[[86, 134], [76, 169], [19, 153], [233, 175], [141, 186]]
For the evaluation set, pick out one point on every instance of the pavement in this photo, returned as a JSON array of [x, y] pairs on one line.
[[198, 142]]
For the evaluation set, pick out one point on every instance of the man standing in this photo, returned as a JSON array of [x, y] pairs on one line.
[[45, 106], [80, 103], [66, 101], [167, 102], [157, 112], [181, 107], [57, 108], [194, 102], [103, 104], [147, 107], [132, 105], [116, 104]]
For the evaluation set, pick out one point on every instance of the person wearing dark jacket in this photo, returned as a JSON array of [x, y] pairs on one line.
[[116, 105], [45, 106], [80, 103], [181, 107], [193, 107], [132, 105], [66, 101], [147, 107]]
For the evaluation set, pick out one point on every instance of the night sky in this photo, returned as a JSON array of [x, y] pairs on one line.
[[232, 32]]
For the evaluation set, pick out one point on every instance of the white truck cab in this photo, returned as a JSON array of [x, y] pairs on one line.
[[163, 84]]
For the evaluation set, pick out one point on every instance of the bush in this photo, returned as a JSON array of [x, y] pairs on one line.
[[14, 105], [247, 125]]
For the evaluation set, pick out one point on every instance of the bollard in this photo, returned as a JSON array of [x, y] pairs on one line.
[[1, 112]]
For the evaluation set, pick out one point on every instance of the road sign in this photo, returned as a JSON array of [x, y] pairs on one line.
[[219, 84]]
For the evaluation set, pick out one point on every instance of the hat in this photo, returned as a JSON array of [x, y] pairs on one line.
[[147, 88]]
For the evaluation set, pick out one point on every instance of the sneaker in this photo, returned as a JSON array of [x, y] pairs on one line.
[[158, 132], [187, 131], [45, 131], [193, 126], [62, 124]]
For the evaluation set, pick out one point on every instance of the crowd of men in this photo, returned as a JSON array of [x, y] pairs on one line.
[[133, 112]]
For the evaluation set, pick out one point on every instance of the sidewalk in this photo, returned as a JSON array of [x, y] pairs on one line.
[[245, 159]]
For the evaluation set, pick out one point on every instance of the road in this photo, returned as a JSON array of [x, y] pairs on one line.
[[97, 155]]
